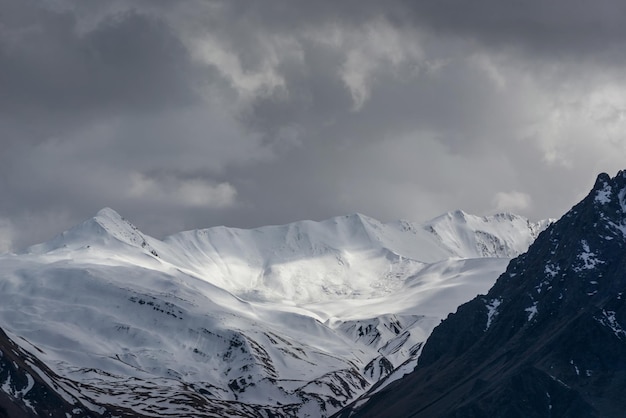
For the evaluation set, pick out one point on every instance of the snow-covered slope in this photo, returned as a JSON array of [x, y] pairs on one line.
[[286, 320], [501, 235]]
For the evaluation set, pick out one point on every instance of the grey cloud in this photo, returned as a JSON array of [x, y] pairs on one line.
[[449, 107], [312, 96], [441, 101], [55, 77], [559, 27], [437, 140], [91, 101]]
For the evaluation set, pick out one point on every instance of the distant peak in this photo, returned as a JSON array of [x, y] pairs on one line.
[[507, 216], [449, 216], [112, 221], [357, 215], [605, 182], [356, 218], [105, 227], [108, 213], [602, 180], [610, 193], [464, 217]]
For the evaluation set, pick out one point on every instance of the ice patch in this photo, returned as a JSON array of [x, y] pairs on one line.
[[618, 227], [558, 381], [29, 385], [6, 386], [603, 196], [541, 285], [608, 320], [622, 199], [532, 311], [589, 259], [19, 394], [552, 270], [492, 311], [585, 246]]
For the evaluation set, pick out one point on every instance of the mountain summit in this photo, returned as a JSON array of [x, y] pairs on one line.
[[548, 339]]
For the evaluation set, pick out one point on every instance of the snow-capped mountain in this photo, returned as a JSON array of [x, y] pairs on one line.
[[292, 320], [548, 339]]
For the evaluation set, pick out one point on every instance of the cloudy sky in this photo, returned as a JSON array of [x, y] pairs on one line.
[[189, 114]]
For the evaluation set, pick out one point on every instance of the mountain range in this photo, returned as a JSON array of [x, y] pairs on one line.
[[292, 320]]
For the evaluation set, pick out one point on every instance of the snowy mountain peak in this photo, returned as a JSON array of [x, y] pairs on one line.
[[500, 235], [352, 255], [457, 215], [610, 192], [356, 217], [108, 214], [118, 227], [106, 228]]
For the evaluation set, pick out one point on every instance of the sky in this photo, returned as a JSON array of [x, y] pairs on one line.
[[191, 114]]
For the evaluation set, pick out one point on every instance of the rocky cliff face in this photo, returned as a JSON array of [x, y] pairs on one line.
[[28, 389], [548, 340]]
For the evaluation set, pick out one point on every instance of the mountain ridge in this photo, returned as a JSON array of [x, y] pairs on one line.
[[276, 321], [546, 340]]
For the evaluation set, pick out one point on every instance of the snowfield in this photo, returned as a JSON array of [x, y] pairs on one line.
[[298, 319]]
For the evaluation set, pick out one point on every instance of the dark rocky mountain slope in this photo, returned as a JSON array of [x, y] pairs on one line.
[[548, 340], [25, 393]]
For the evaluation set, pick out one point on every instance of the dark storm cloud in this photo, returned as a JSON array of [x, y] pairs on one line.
[[190, 114], [312, 96], [90, 106], [54, 76], [558, 25], [567, 29], [552, 26], [470, 112]]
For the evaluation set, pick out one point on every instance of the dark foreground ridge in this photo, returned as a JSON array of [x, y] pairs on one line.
[[548, 340], [25, 393]]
